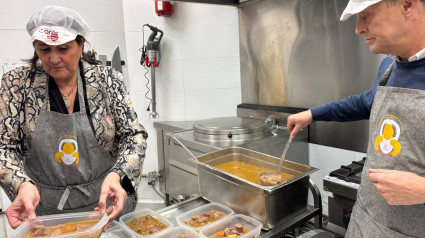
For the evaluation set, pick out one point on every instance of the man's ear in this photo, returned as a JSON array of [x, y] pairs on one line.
[[408, 4]]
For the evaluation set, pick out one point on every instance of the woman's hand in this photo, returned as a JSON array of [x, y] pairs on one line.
[[298, 121], [23, 207], [111, 189]]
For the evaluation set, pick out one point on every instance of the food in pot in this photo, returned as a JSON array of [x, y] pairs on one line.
[[202, 219], [232, 232], [248, 171], [145, 225], [270, 179], [182, 236], [42, 231]]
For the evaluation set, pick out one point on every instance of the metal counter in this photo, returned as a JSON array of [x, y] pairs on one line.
[[173, 211]]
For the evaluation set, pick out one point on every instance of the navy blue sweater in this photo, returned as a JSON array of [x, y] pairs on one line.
[[358, 107]]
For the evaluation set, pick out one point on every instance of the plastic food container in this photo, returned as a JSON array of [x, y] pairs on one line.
[[228, 222], [181, 219], [177, 231], [53, 220], [117, 230], [144, 212]]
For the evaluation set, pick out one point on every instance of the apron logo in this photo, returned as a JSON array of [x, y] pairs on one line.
[[68, 152], [387, 141]]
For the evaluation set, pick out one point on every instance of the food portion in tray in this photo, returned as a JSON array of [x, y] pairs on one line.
[[204, 218], [232, 232], [270, 179], [146, 225], [248, 171], [42, 231]]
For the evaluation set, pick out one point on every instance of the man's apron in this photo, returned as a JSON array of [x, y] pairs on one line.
[[396, 142], [66, 162]]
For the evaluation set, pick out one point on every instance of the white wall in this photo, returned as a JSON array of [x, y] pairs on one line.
[[105, 18], [199, 74]]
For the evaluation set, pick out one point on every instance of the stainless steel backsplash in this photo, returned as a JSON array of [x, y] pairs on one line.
[[296, 53]]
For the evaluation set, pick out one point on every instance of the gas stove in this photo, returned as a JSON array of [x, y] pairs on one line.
[[342, 185]]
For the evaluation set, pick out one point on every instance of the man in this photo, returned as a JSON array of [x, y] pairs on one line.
[[390, 201]]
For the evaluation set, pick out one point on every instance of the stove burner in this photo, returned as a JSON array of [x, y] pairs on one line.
[[351, 172]]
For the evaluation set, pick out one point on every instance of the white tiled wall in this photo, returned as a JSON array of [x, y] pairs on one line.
[[105, 18], [198, 76]]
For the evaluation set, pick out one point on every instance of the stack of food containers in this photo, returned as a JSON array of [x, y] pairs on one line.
[[183, 219], [211, 228], [143, 213], [251, 227], [214, 228], [179, 232], [95, 231], [117, 230]]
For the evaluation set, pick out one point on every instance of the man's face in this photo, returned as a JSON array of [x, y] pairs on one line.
[[383, 27]]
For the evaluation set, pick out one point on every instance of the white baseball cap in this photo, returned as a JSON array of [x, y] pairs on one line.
[[356, 6], [56, 25]]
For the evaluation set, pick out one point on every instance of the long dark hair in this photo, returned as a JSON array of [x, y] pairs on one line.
[[89, 56]]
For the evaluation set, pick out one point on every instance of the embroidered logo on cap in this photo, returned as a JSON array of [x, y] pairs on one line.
[[50, 34]]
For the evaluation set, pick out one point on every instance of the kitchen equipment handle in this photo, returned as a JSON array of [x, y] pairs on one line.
[[282, 158], [271, 125], [188, 151], [270, 122]]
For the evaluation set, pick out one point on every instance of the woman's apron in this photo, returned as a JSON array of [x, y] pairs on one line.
[[396, 142], [66, 162]]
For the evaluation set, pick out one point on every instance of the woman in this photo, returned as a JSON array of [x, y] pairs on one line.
[[70, 140]]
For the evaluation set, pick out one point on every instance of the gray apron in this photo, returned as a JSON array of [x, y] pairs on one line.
[[396, 142], [66, 162]]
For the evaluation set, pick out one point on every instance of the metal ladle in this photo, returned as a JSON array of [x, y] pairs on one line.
[[270, 178]]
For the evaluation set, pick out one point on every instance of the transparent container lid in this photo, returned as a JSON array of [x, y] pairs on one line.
[[116, 230], [178, 231], [253, 225], [53, 220], [181, 219], [144, 212]]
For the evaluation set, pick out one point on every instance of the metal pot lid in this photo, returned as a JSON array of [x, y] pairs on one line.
[[226, 125]]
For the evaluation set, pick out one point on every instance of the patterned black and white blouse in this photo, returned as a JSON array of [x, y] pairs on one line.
[[114, 121]]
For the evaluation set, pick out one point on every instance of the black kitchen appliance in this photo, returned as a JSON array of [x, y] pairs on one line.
[[342, 185]]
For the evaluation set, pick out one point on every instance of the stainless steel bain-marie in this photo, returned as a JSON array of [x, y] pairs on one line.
[[271, 205], [181, 175]]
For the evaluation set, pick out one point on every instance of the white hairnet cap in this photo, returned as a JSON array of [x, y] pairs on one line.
[[356, 6], [56, 25]]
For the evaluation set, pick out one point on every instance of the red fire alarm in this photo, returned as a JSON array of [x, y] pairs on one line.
[[164, 8]]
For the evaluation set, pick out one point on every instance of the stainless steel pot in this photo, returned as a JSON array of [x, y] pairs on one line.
[[230, 131], [271, 205]]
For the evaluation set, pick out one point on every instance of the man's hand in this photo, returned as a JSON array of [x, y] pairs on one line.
[[298, 121], [112, 190], [23, 207], [398, 187]]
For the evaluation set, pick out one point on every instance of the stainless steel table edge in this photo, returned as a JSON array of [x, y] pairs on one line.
[[171, 212]]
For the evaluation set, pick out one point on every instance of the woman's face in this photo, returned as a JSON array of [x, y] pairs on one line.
[[60, 61]]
